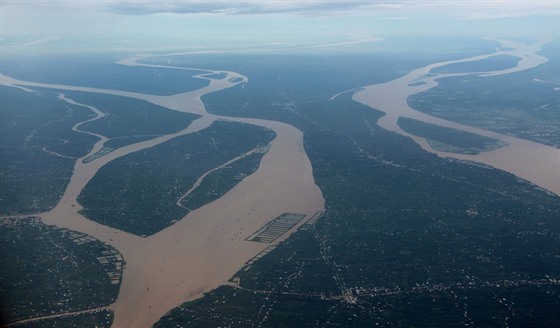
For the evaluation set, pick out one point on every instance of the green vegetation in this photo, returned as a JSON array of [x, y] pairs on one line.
[[125, 141], [449, 140], [98, 319], [37, 149], [278, 80], [138, 193], [128, 117], [523, 104], [408, 238], [314, 276], [46, 270], [100, 71], [220, 181], [227, 306], [231, 307], [112, 144]]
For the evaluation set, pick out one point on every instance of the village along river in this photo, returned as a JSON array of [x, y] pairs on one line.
[[205, 248], [208, 246]]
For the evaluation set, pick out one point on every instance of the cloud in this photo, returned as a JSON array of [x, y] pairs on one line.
[[471, 9], [492, 9], [280, 20], [460, 8], [235, 7]]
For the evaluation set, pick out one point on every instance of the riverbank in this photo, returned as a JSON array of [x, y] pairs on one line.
[[528, 160], [204, 249]]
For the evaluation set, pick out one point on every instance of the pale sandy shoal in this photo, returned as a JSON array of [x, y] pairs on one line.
[[534, 162], [207, 247]]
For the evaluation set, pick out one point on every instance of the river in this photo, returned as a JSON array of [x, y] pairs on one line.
[[207, 247], [531, 161]]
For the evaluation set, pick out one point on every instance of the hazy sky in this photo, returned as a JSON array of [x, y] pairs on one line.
[[206, 24]]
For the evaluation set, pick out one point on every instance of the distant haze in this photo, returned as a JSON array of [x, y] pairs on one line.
[[136, 26]]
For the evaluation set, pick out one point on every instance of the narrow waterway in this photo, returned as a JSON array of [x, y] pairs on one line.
[[205, 248], [534, 162]]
